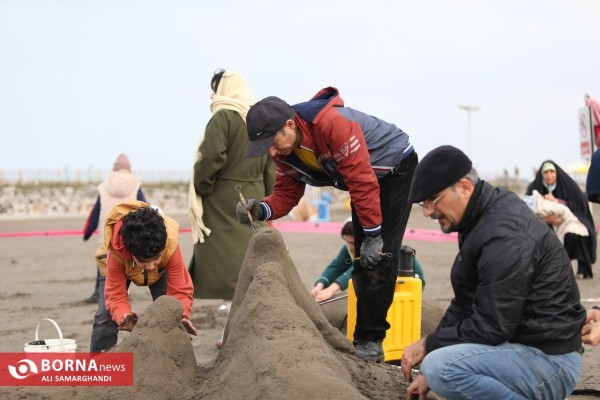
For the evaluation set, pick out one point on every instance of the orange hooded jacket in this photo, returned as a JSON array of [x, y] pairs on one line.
[[120, 265]]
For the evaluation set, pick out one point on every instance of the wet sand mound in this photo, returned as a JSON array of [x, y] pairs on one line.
[[164, 361], [278, 344]]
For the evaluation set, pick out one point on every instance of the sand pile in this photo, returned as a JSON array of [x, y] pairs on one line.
[[164, 362], [278, 344]]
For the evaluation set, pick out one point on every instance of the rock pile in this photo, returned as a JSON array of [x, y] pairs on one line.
[[57, 199]]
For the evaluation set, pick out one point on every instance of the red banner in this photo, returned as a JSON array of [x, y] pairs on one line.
[[66, 369]]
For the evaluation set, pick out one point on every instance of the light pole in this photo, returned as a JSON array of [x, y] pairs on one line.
[[469, 109]]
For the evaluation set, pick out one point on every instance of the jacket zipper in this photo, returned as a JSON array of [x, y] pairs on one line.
[[334, 182]]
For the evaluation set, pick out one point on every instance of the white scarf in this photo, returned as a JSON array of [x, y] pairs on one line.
[[195, 210], [232, 94]]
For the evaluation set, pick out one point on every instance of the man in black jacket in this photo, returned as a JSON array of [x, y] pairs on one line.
[[513, 328]]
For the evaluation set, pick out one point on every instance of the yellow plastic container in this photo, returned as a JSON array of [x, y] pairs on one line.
[[404, 317]]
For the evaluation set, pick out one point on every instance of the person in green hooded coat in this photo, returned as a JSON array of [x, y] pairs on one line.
[[219, 240]]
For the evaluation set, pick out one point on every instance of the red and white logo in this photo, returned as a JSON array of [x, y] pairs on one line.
[[23, 369], [66, 369]]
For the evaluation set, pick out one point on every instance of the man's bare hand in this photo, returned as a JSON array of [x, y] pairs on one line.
[[128, 322], [412, 355], [419, 386], [592, 315], [590, 333]]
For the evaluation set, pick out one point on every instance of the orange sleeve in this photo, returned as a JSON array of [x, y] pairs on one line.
[[115, 289], [179, 282]]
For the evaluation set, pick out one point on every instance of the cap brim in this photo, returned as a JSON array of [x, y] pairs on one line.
[[420, 190], [258, 148], [419, 197]]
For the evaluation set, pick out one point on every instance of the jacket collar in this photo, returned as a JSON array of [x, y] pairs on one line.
[[481, 197]]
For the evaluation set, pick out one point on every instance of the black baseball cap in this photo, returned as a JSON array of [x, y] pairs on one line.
[[264, 119]]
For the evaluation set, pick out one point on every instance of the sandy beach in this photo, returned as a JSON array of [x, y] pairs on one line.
[[47, 275]]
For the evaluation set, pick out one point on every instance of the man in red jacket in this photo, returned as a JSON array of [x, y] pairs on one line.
[[323, 143]]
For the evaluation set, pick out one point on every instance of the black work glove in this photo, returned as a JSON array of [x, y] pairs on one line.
[[370, 251], [255, 209]]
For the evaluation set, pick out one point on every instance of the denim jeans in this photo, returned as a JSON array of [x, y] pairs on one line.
[[506, 371], [105, 330]]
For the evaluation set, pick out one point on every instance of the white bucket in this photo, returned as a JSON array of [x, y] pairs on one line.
[[59, 345]]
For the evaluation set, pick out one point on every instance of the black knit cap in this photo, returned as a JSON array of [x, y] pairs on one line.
[[439, 169]]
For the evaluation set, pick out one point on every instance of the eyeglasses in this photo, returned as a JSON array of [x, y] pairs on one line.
[[435, 200]]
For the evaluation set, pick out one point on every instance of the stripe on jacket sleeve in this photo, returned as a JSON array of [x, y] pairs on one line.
[[266, 210], [376, 230]]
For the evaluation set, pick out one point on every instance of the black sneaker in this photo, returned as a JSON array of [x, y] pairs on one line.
[[93, 298], [369, 351]]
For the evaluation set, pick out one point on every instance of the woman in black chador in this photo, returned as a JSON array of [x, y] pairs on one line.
[[556, 185]]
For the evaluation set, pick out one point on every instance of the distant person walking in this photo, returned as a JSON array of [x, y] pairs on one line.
[[556, 185], [219, 241], [120, 186]]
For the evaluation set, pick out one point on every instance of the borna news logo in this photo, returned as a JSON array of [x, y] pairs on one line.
[[23, 369], [66, 369]]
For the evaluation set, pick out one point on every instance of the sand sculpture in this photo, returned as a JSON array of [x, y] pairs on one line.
[[278, 345], [282, 343]]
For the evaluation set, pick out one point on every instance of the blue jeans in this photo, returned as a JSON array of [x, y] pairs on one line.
[[105, 330], [506, 371]]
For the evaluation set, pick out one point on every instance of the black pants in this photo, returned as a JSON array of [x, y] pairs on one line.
[[375, 289], [578, 248]]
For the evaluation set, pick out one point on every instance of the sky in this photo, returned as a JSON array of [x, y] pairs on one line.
[[82, 81]]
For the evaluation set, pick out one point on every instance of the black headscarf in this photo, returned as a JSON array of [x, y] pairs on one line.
[[569, 191], [216, 79]]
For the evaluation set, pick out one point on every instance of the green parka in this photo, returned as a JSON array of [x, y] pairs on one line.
[[216, 263]]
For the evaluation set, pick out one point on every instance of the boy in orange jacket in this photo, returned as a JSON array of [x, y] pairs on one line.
[[140, 246]]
